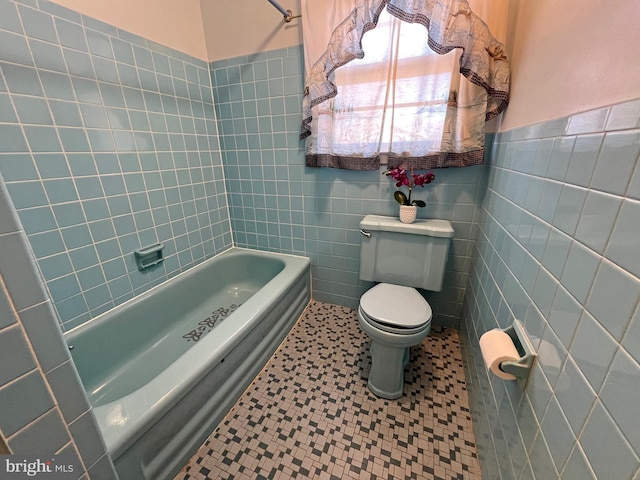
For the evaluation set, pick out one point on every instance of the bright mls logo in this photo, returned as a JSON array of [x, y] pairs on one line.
[[18, 467]]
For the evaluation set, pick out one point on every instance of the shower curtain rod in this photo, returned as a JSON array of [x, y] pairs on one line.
[[288, 14]]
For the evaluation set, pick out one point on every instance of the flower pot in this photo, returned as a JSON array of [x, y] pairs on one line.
[[408, 213]]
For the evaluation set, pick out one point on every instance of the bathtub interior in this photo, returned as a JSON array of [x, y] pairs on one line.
[[132, 344]]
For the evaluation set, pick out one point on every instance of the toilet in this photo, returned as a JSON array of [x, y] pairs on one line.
[[400, 257]]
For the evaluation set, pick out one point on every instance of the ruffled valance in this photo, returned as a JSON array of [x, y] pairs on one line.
[[450, 25]]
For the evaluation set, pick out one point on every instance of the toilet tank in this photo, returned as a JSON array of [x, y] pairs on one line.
[[410, 254]]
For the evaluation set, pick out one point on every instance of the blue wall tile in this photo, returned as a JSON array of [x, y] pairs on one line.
[[587, 337], [144, 147], [276, 203], [74, 117]]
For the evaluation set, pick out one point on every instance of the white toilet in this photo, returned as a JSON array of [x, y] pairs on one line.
[[402, 257]]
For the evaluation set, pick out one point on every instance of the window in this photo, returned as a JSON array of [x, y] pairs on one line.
[[394, 98], [407, 99]]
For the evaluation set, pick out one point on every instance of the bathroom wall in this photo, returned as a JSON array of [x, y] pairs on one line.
[[43, 407], [557, 249], [177, 25], [109, 144], [279, 204], [568, 58]]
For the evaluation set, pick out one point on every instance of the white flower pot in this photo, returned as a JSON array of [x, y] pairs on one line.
[[408, 213]]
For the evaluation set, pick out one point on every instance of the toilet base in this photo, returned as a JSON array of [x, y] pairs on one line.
[[389, 356], [386, 378]]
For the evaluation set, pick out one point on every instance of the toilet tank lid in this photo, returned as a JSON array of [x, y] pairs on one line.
[[431, 227]]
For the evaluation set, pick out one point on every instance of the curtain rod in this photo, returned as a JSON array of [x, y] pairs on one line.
[[288, 14]]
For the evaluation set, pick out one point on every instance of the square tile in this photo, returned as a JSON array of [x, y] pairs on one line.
[[45, 436], [41, 325], [66, 386], [620, 248], [575, 395], [579, 271], [616, 161], [613, 298], [592, 348], [349, 433], [617, 394], [38, 24], [596, 220], [14, 345], [22, 402], [613, 458]]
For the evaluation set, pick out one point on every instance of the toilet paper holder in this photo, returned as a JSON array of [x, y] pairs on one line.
[[521, 367]]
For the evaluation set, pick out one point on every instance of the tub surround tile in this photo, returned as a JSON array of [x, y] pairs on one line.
[[92, 447], [68, 390], [23, 402], [23, 286], [46, 436], [45, 336], [13, 343], [103, 469], [96, 95], [7, 314]]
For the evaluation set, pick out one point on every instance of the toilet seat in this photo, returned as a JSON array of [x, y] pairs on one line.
[[395, 309]]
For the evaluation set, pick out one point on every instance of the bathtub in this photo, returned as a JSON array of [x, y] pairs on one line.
[[163, 369]]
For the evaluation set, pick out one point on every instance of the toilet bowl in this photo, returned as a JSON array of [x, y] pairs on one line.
[[395, 318], [399, 257]]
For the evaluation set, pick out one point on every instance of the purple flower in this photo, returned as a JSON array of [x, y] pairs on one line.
[[399, 174]]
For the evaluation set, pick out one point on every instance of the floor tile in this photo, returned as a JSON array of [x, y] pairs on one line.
[[309, 414]]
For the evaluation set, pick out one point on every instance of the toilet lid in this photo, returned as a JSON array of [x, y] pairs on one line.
[[396, 305]]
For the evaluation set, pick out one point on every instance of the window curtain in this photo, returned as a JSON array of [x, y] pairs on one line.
[[415, 90]]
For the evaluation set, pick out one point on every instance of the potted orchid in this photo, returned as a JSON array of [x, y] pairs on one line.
[[408, 207]]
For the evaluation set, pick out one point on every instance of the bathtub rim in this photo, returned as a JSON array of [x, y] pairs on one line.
[[72, 332], [165, 390]]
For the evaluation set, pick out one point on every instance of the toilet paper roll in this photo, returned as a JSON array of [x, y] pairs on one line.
[[496, 347]]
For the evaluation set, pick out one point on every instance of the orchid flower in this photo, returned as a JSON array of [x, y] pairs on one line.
[[399, 174]]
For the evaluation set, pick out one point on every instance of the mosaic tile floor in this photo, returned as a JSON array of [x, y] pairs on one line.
[[309, 414]]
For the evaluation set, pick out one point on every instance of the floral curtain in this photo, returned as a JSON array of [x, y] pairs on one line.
[[416, 90]]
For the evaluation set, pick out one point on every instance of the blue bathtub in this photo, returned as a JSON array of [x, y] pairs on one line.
[[162, 370]]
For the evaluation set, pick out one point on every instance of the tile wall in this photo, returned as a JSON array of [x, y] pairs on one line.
[[109, 143], [44, 409], [557, 248], [278, 204]]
